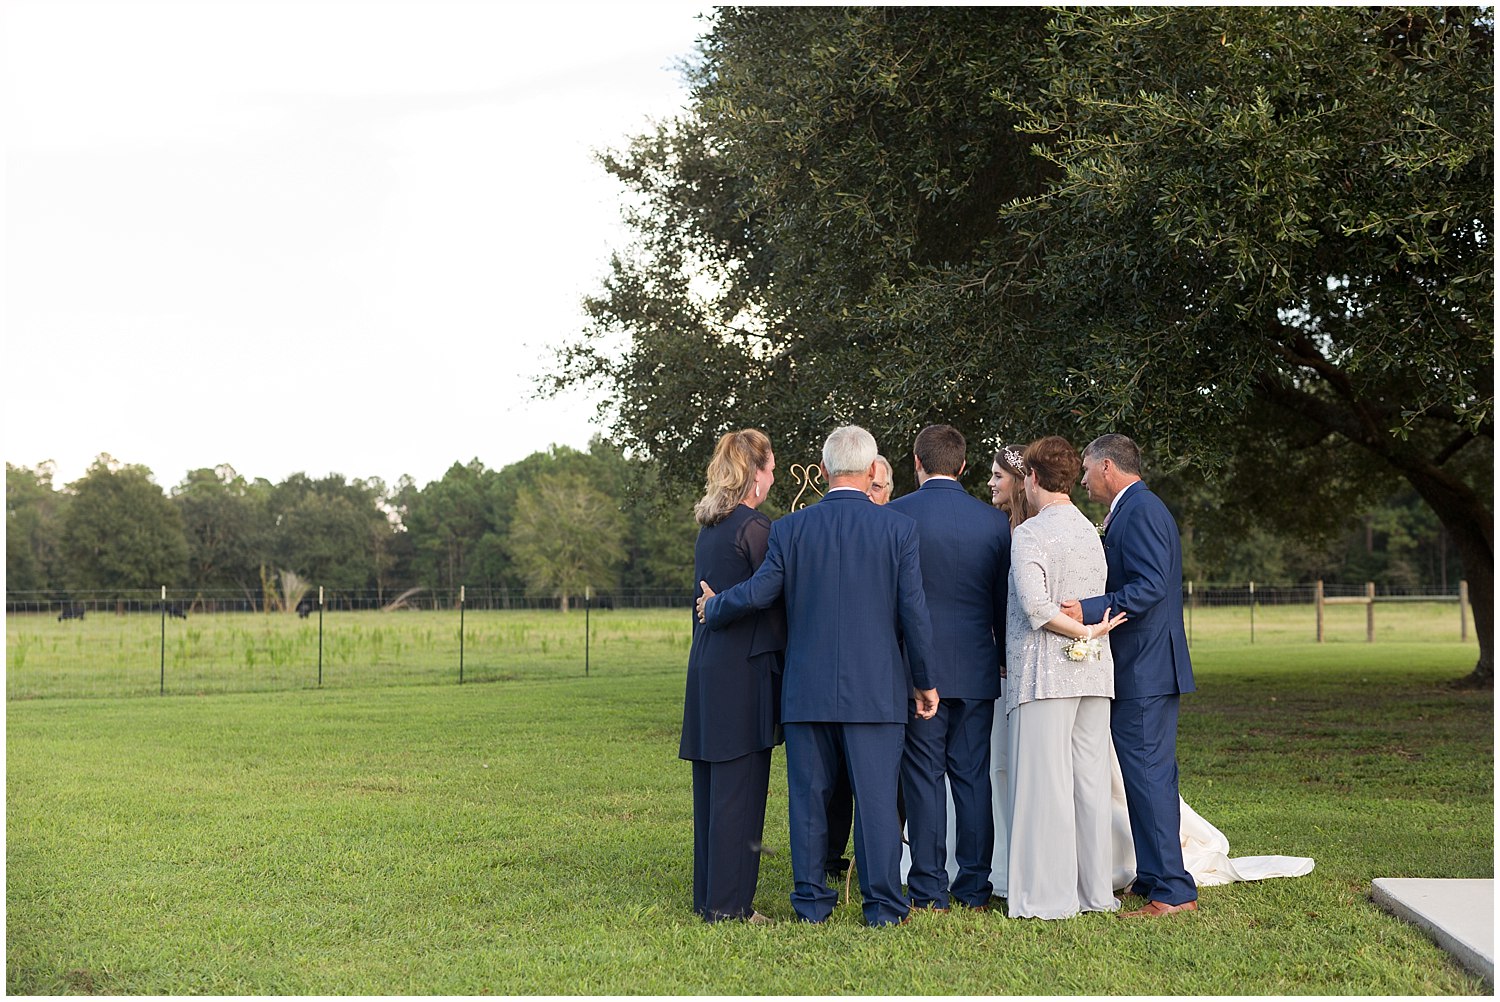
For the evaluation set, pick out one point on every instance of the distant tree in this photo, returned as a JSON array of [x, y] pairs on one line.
[[447, 519], [493, 555], [330, 531], [566, 535], [33, 529], [120, 532], [228, 528]]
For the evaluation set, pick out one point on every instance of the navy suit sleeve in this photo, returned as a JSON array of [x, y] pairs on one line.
[[760, 591], [911, 602], [1001, 592], [1145, 557]]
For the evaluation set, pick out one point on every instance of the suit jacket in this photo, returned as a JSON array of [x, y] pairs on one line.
[[733, 701], [852, 582], [1143, 552], [964, 545]]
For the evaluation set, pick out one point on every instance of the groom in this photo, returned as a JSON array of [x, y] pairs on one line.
[[965, 549], [850, 574], [1143, 553]]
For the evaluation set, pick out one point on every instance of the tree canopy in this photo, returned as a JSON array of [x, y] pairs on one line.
[[1257, 240]]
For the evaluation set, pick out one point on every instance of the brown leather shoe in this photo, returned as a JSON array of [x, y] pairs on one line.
[[1154, 909]]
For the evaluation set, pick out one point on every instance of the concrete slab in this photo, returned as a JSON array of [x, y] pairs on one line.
[[1459, 914]]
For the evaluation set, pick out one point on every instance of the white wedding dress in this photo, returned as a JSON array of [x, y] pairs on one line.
[[1205, 850]]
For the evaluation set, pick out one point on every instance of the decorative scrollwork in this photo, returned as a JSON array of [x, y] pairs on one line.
[[806, 476]]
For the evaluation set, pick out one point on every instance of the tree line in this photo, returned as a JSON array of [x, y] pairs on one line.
[[553, 524]]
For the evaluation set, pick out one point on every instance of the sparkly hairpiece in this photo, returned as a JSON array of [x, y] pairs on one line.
[[1014, 461]]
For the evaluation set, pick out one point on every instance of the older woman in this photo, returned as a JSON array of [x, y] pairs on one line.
[[1057, 697], [732, 708]]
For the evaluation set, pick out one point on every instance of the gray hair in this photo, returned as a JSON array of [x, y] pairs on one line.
[[1118, 449], [886, 463], [849, 451]]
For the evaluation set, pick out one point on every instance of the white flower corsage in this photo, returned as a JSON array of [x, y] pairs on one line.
[[1084, 649]]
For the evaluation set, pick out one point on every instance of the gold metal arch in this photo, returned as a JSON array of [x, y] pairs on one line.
[[806, 476]]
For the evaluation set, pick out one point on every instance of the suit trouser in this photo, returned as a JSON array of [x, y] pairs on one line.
[[840, 819], [1145, 737], [873, 756], [954, 743], [729, 816]]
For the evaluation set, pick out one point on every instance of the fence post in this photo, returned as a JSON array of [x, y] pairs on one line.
[[1369, 612], [1318, 601], [588, 594], [1252, 612], [1463, 605], [163, 690], [460, 634], [320, 636]]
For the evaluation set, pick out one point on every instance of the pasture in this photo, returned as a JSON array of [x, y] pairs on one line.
[[531, 833], [122, 655]]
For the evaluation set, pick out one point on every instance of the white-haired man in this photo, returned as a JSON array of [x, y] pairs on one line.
[[850, 573]]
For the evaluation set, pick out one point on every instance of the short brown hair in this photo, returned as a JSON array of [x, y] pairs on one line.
[[1055, 462], [940, 449]]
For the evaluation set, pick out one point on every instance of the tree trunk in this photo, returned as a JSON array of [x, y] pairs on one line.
[[1479, 569], [1470, 526]]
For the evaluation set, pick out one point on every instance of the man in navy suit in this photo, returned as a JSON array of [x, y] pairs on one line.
[[852, 581], [1144, 555], [965, 553]]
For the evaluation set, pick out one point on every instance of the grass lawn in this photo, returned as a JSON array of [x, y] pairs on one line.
[[534, 836]]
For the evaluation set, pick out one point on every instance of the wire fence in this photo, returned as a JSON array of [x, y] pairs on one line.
[[97, 644], [227, 601]]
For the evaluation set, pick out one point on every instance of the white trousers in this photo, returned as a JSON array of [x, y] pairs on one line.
[[1060, 850]]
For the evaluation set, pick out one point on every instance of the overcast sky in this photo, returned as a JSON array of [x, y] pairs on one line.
[[318, 236]]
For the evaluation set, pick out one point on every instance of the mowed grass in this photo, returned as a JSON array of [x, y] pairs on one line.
[[534, 837], [121, 655]]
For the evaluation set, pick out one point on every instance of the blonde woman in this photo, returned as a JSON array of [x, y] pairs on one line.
[[732, 708]]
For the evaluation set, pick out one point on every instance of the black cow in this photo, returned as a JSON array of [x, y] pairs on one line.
[[176, 612], [71, 612], [305, 608]]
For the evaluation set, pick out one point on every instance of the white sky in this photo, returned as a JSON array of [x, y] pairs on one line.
[[310, 236]]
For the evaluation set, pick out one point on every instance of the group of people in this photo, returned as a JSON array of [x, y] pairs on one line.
[[893, 644]]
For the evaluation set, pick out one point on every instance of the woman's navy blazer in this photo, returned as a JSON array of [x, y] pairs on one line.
[[733, 703]]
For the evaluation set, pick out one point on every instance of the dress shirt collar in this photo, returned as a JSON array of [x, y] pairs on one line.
[[1116, 502]]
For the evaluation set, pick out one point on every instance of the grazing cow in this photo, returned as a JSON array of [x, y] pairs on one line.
[[71, 612], [305, 608], [176, 612]]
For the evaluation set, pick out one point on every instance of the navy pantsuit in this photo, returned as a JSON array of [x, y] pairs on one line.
[[1144, 555], [729, 720], [849, 572], [964, 546], [729, 815]]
